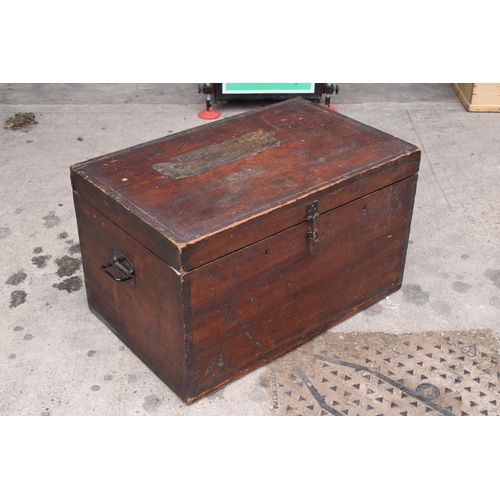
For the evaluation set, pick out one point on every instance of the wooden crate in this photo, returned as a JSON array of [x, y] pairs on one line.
[[479, 96]]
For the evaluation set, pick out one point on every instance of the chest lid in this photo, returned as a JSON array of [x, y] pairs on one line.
[[197, 195]]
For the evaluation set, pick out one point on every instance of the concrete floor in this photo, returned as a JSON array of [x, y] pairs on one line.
[[58, 359]]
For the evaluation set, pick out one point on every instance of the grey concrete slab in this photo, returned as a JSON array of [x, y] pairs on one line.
[[100, 93], [187, 93], [394, 93], [455, 231], [58, 359]]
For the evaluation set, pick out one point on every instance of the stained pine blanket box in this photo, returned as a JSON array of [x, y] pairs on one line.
[[212, 251]]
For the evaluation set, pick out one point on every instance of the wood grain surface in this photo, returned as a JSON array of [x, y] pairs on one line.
[[309, 151], [215, 222]]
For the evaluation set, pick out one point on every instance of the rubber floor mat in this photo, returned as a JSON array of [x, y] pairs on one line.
[[434, 373]]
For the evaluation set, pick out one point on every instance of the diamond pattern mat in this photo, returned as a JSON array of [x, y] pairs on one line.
[[434, 373]]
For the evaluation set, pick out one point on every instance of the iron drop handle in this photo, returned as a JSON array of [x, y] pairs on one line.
[[124, 266]]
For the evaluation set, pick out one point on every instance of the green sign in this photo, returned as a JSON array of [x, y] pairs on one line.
[[268, 88]]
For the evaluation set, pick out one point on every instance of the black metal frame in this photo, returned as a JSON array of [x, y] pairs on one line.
[[222, 98]]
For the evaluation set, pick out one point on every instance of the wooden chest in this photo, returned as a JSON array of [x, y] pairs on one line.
[[215, 250], [479, 96]]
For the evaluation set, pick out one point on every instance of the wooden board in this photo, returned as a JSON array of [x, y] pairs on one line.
[[479, 97]]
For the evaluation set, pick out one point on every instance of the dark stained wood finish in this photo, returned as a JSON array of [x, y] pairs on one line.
[[147, 313], [214, 220], [272, 222], [313, 152], [248, 305]]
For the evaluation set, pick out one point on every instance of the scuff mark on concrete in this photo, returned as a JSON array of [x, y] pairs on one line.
[[441, 307], [16, 278], [494, 276], [17, 297], [4, 232], [151, 403], [68, 266], [374, 310], [41, 260], [51, 220], [415, 295], [71, 285], [74, 248], [461, 287]]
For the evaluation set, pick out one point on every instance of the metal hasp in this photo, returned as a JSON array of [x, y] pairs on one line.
[[312, 214], [123, 265]]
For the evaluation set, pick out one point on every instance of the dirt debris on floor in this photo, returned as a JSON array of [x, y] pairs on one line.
[[434, 373], [21, 121]]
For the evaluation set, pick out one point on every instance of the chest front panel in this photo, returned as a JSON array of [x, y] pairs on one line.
[[258, 302]]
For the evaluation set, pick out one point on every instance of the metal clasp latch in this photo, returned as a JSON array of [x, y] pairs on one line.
[[312, 214]]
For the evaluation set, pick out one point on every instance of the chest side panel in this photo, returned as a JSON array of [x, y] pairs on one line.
[[265, 299], [146, 312], [136, 223]]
